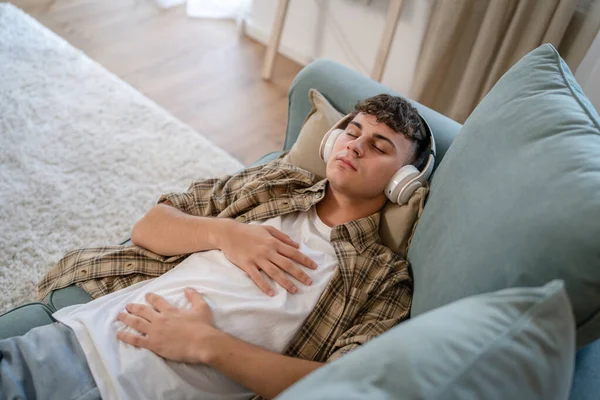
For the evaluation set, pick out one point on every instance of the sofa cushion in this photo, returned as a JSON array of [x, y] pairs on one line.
[[516, 200], [67, 296], [20, 320], [397, 222], [512, 344]]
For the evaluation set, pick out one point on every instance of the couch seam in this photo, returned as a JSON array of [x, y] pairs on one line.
[[575, 95]]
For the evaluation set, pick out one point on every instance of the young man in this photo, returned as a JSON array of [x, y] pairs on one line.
[[259, 278]]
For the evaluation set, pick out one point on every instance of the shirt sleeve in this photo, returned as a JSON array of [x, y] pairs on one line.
[[209, 197], [382, 312]]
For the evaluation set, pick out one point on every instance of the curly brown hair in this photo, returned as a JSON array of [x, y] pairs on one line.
[[401, 116]]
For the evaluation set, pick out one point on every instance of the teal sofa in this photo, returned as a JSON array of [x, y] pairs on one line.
[[343, 88]]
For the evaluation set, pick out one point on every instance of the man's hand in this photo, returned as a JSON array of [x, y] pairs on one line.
[[257, 247], [170, 332]]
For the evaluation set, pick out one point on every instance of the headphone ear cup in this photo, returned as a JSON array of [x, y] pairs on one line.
[[402, 186], [407, 191], [327, 143]]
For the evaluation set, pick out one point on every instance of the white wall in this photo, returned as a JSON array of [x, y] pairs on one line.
[[347, 31], [588, 73]]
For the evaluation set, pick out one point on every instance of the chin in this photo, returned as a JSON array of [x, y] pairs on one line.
[[338, 178]]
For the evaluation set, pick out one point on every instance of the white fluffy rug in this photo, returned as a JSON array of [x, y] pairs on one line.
[[82, 154]]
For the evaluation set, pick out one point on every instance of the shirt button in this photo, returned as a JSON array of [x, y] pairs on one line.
[[129, 265], [83, 271], [284, 203], [242, 218], [319, 195]]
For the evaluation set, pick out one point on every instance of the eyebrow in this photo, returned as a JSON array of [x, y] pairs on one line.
[[375, 135]]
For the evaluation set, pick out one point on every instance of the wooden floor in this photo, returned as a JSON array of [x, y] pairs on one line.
[[202, 71]]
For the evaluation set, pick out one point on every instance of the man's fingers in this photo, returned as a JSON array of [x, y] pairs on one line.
[[275, 273], [288, 266], [259, 281], [297, 255], [134, 340], [276, 233], [141, 310], [158, 302], [135, 322], [194, 298]]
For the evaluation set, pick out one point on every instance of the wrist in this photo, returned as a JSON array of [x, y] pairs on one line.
[[210, 346], [219, 232]]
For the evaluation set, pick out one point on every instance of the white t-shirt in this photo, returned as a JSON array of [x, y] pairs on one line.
[[239, 307]]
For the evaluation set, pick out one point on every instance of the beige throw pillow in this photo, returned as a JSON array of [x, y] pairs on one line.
[[305, 152], [397, 222]]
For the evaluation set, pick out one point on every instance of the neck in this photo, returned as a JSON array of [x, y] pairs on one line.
[[337, 209]]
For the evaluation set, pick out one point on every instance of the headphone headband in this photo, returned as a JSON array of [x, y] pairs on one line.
[[430, 150]]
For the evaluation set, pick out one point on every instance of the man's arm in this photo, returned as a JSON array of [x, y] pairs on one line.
[[185, 223], [168, 231], [264, 372]]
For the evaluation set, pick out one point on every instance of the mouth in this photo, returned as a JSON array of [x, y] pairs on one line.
[[346, 162]]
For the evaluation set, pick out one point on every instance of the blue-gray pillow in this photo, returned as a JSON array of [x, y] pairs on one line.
[[516, 200], [512, 344]]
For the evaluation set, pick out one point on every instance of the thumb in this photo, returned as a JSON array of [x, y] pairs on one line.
[[194, 297]]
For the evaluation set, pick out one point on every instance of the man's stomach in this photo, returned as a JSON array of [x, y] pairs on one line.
[[239, 308]]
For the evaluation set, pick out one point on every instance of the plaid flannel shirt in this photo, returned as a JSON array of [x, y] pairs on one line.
[[369, 293]]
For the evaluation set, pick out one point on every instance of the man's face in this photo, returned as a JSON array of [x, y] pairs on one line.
[[366, 156]]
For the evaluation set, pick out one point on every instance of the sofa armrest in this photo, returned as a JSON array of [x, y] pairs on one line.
[[266, 158]]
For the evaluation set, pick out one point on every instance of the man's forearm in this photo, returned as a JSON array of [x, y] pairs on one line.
[[168, 231], [262, 371]]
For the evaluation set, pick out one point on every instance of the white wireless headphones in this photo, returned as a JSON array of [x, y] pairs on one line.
[[406, 180]]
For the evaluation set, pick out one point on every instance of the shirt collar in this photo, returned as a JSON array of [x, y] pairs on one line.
[[317, 188], [361, 233]]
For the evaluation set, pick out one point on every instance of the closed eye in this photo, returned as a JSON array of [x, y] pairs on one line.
[[351, 135], [378, 149]]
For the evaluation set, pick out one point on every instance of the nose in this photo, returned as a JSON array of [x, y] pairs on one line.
[[356, 146]]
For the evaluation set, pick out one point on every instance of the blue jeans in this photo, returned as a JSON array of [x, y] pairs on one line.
[[45, 363]]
